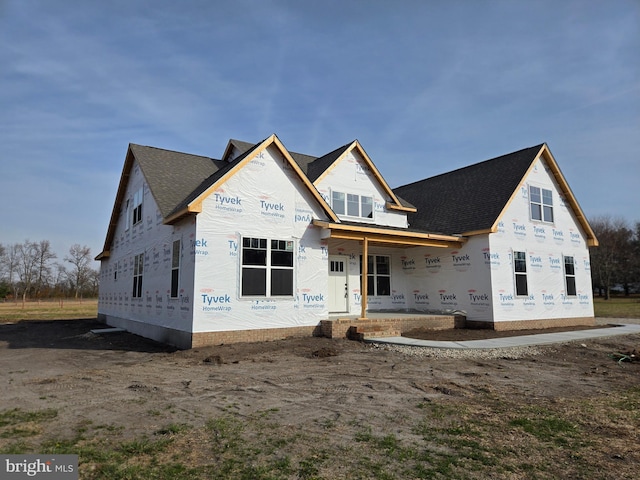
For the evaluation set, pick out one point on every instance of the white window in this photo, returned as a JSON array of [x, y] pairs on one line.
[[138, 264], [520, 272], [337, 199], [352, 205], [378, 275], [116, 267], [267, 267], [175, 268], [570, 276], [128, 215], [541, 201], [137, 206]]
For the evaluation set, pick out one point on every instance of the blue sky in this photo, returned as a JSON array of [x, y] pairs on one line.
[[426, 86]]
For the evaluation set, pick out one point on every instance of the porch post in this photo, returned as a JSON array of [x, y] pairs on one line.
[[365, 277]]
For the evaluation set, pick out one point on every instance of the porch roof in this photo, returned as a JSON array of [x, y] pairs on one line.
[[388, 236]]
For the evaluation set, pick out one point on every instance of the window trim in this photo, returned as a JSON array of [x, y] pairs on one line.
[[568, 276], [342, 208], [541, 205], [520, 273], [138, 272], [373, 275], [138, 197], [273, 263], [174, 291]]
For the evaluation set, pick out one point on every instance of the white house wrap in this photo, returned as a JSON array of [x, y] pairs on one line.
[[265, 240]]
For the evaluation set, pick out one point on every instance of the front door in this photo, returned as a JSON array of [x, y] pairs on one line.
[[338, 285]]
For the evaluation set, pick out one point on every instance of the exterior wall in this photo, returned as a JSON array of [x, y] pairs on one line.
[[352, 175], [426, 279], [545, 245], [154, 313], [266, 200]]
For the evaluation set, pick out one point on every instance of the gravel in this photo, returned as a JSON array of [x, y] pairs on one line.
[[510, 353]]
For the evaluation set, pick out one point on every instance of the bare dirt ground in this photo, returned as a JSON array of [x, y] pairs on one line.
[[337, 389]]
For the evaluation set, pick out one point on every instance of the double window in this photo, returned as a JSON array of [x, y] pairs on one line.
[[541, 201], [267, 267], [138, 264], [175, 268], [520, 272], [378, 275], [137, 206], [570, 276], [352, 205]]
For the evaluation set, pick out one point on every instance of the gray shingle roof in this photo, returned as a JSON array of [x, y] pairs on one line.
[[315, 168], [172, 176], [467, 199]]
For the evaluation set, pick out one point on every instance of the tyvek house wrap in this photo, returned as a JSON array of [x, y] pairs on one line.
[[545, 246], [266, 200]]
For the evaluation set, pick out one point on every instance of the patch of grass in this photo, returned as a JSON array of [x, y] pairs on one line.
[[16, 416], [617, 307], [48, 310], [173, 429]]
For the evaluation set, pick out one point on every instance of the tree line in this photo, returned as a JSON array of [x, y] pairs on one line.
[[28, 270], [615, 263]]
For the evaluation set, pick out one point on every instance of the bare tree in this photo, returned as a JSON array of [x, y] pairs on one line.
[[28, 255], [80, 258], [610, 259], [10, 268], [44, 257]]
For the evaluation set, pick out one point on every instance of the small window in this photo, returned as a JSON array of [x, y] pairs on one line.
[[520, 271], [541, 201], [138, 264], [267, 267], [115, 271], [337, 199], [378, 275], [570, 276], [175, 268], [137, 206]]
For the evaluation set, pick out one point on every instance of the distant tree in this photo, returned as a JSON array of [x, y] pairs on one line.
[[9, 262], [43, 264], [80, 258], [28, 260], [610, 260]]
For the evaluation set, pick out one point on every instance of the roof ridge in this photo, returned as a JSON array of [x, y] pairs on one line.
[[473, 165]]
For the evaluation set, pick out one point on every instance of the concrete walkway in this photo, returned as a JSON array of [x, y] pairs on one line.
[[519, 341]]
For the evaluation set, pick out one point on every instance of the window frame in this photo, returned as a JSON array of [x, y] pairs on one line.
[[138, 198], [570, 278], [520, 273], [543, 204], [271, 261], [343, 204], [374, 277], [138, 275], [174, 291]]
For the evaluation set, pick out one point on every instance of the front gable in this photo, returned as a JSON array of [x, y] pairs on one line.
[[349, 170], [246, 159]]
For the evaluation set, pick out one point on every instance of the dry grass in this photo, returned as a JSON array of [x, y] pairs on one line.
[[64, 309]]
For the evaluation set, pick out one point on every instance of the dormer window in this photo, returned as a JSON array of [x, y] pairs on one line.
[[352, 205]]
